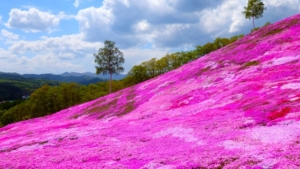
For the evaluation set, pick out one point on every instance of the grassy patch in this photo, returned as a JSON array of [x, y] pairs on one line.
[[129, 106], [43, 142], [250, 63], [203, 70]]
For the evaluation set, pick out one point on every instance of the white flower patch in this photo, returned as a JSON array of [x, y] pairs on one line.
[[276, 134], [268, 163], [190, 81], [30, 147], [155, 165], [229, 78], [229, 144], [294, 99], [185, 134], [158, 88], [291, 86], [108, 119], [283, 60], [212, 65]]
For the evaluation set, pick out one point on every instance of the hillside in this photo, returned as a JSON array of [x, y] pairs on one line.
[[237, 107], [14, 87]]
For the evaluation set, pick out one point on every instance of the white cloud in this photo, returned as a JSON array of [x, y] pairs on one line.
[[50, 54], [95, 19], [5, 55], [142, 26], [32, 20], [62, 15], [227, 17], [0, 18], [61, 54], [9, 35], [277, 3], [129, 24], [141, 29], [67, 45], [76, 3], [171, 23]]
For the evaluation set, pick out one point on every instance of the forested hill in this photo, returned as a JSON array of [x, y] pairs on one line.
[[237, 107], [83, 79], [13, 86], [80, 78]]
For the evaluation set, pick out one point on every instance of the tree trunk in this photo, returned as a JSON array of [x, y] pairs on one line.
[[253, 23], [110, 84]]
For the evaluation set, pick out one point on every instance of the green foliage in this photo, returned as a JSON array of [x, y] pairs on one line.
[[6, 119], [267, 23], [250, 63], [50, 99], [254, 10], [9, 104], [138, 74], [109, 60], [14, 88], [255, 29]]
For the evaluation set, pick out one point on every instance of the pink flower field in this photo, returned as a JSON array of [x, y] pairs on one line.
[[237, 107]]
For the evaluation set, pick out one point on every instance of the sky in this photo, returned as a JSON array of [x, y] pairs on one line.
[[57, 36]]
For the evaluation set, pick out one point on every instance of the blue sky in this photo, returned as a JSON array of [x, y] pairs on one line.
[[56, 36]]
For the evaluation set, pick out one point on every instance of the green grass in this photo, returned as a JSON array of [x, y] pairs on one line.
[[250, 63]]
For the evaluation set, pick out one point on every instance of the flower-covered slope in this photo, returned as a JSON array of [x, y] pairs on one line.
[[238, 107]]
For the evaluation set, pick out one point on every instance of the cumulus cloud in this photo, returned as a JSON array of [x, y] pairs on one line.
[[32, 20], [61, 54], [5, 55], [224, 18], [141, 29], [49, 54], [8, 35], [133, 23], [76, 3], [171, 23], [44, 63], [67, 47]]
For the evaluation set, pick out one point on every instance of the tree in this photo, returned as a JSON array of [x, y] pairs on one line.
[[138, 74], [254, 9], [109, 60]]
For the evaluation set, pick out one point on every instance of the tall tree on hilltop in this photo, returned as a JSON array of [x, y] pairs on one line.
[[109, 60], [254, 9]]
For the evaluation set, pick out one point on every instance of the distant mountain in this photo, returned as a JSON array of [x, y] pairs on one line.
[[80, 78], [83, 79], [114, 77], [4, 75]]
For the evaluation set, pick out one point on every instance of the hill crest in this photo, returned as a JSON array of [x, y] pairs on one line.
[[236, 107]]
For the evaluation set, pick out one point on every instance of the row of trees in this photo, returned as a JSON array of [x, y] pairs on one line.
[[155, 67]]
